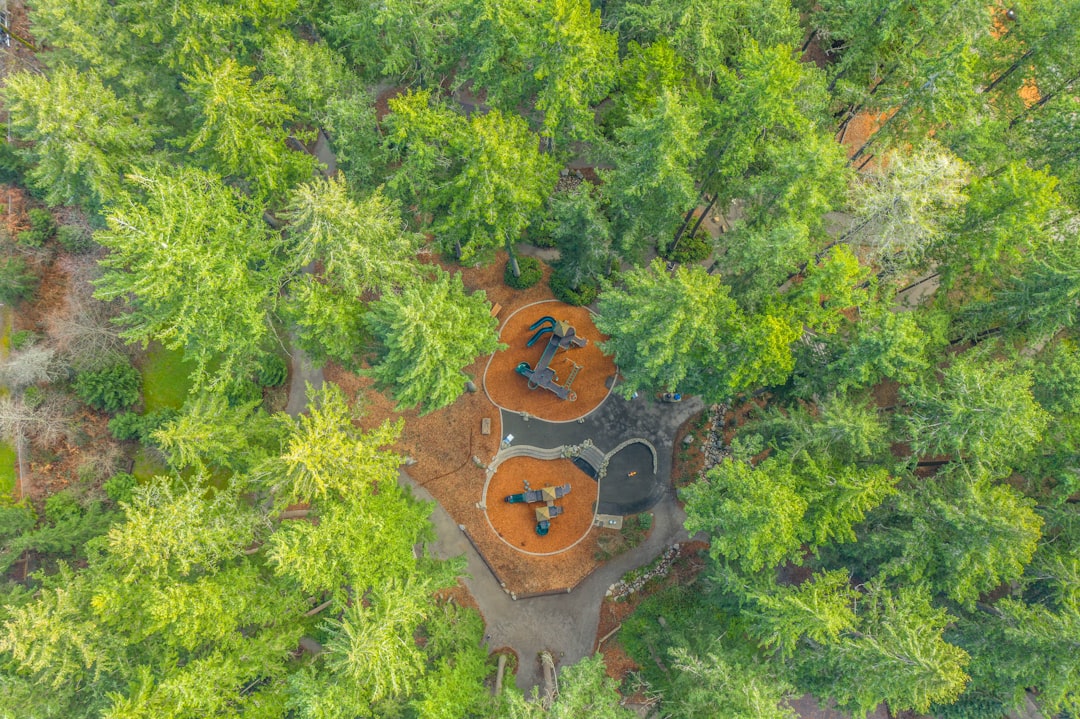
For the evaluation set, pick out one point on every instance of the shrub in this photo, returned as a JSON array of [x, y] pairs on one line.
[[540, 231], [585, 294], [272, 371], [243, 392], [17, 281], [532, 271], [120, 487], [73, 239], [690, 248], [111, 389], [33, 397], [21, 339], [42, 228], [129, 425], [62, 506], [125, 426]]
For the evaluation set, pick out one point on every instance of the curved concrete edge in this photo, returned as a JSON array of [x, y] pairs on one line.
[[636, 440], [525, 450], [487, 366]]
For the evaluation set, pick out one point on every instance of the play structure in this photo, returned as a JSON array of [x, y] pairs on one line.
[[563, 337], [549, 510]]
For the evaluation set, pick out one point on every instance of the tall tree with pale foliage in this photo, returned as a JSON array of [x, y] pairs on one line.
[[428, 333]]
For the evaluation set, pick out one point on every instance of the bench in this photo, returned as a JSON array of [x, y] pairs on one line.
[[496, 309], [485, 425]]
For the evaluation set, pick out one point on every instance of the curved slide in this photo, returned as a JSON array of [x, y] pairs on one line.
[[539, 333]]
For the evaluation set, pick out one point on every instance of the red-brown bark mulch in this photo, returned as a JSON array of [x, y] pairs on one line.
[[444, 442], [516, 523]]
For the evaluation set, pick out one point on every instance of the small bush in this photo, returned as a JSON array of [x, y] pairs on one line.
[[540, 230], [21, 339], [140, 427], [120, 487], [62, 506], [243, 392], [33, 397], [125, 426], [17, 281], [532, 271], [585, 294], [272, 371], [73, 239], [690, 248], [42, 228], [111, 390]]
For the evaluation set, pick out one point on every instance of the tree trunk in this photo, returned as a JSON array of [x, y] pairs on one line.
[[1012, 68], [697, 224], [690, 215], [513, 259], [1044, 99]]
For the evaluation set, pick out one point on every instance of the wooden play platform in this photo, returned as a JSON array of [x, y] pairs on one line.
[[551, 481]]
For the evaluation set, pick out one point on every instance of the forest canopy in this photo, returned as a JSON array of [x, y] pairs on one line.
[[852, 224]]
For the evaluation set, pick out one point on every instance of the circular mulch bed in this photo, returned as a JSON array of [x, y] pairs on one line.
[[516, 523], [511, 391]]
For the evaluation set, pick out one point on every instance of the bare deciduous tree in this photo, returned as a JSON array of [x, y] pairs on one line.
[[83, 331], [34, 365], [44, 425]]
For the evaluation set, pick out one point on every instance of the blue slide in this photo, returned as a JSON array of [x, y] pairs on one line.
[[539, 333]]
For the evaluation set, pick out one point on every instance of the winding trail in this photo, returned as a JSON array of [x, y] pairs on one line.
[[301, 373], [564, 624]]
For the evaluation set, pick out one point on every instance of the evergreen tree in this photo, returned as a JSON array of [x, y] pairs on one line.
[[197, 267], [423, 354], [84, 137]]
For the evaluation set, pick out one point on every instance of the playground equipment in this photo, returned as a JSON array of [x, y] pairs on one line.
[[563, 337], [544, 494], [549, 510]]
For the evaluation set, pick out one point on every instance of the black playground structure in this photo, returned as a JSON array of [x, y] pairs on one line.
[[563, 337]]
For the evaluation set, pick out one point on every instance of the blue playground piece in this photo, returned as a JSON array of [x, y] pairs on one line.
[[546, 324], [562, 337]]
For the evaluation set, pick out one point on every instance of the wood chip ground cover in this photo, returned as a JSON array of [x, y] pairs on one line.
[[444, 443]]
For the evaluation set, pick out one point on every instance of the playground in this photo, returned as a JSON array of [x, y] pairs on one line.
[[579, 363], [451, 452], [515, 522]]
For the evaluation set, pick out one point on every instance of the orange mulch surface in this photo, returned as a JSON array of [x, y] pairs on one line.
[[443, 444], [516, 523], [510, 390]]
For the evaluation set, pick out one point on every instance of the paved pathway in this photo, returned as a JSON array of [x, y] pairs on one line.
[[564, 624]]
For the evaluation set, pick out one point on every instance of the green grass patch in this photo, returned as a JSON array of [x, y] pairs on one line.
[[7, 468], [148, 464], [166, 378]]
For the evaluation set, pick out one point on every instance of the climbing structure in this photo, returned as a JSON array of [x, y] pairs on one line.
[[563, 337], [549, 510]]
